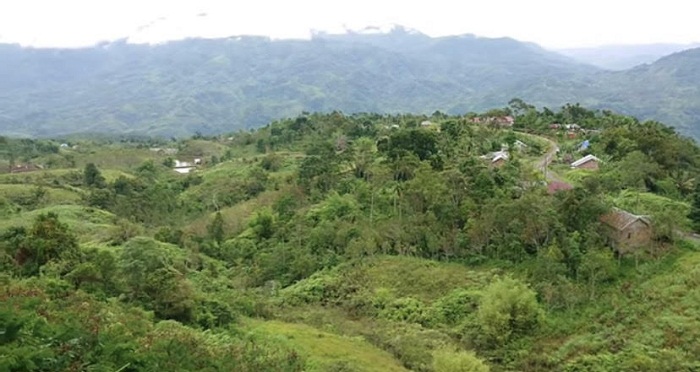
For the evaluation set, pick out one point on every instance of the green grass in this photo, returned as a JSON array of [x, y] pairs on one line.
[[422, 279], [648, 203], [327, 351], [53, 195], [89, 224], [573, 176], [48, 175]]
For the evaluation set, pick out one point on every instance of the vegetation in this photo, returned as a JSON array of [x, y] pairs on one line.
[[328, 242], [242, 83]]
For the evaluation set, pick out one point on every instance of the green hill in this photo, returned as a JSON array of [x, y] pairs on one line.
[[364, 242]]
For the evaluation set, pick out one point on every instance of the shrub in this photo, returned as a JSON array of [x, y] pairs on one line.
[[508, 308], [457, 361]]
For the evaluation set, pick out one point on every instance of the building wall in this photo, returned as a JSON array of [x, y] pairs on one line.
[[498, 163], [591, 164], [636, 235]]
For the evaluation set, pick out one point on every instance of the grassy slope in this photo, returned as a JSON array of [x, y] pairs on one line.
[[53, 195], [88, 224], [326, 351], [45, 176]]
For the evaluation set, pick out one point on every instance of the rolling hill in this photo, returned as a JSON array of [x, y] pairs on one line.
[[216, 85]]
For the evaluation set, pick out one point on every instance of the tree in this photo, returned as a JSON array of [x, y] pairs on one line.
[[597, 265], [508, 308], [216, 228], [93, 177], [47, 240], [694, 214], [153, 274]]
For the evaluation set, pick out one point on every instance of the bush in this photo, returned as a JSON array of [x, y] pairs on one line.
[[459, 361], [405, 309], [508, 308]]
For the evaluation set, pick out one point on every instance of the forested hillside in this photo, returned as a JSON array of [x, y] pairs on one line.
[[209, 86], [364, 242]]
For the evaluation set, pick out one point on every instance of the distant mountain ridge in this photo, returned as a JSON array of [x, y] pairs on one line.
[[215, 85], [623, 57]]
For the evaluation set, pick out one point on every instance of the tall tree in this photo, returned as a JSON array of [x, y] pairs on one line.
[[93, 177]]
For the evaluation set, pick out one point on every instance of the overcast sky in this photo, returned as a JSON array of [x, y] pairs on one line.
[[550, 23]]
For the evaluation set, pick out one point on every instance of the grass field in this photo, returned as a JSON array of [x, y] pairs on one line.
[[89, 224], [326, 351]]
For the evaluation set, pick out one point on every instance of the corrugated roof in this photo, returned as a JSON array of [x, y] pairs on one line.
[[620, 219], [584, 160]]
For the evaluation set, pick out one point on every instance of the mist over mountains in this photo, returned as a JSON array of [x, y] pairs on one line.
[[215, 85], [622, 57]]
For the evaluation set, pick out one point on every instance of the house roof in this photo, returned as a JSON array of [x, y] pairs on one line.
[[501, 155], [620, 219], [584, 160], [496, 156]]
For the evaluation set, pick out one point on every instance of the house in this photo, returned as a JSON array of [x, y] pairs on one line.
[[165, 151], [627, 231], [426, 123], [497, 158], [572, 127], [556, 186], [584, 145], [23, 168], [586, 162], [183, 167], [554, 126], [499, 121], [64, 146]]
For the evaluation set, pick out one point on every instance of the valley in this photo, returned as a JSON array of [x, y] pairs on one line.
[[356, 242]]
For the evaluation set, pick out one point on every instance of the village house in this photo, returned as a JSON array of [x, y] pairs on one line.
[[426, 123], [23, 168], [583, 146], [499, 121], [183, 167], [586, 162], [497, 158], [627, 231], [164, 151]]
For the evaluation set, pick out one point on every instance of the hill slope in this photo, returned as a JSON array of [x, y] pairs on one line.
[[209, 86], [212, 85]]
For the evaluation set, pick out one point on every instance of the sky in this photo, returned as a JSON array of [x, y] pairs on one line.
[[550, 23]]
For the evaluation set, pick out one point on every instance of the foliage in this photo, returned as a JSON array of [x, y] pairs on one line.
[[447, 361], [508, 308], [325, 233]]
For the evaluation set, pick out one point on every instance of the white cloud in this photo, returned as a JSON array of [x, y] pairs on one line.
[[548, 22]]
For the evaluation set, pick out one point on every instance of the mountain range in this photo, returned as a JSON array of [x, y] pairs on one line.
[[215, 85], [623, 57]]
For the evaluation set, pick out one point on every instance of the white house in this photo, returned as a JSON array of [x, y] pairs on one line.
[[183, 167]]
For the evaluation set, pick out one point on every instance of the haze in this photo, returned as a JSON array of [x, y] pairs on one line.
[[553, 24]]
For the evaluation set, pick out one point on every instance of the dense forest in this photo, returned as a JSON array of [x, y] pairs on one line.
[[215, 85], [361, 242]]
